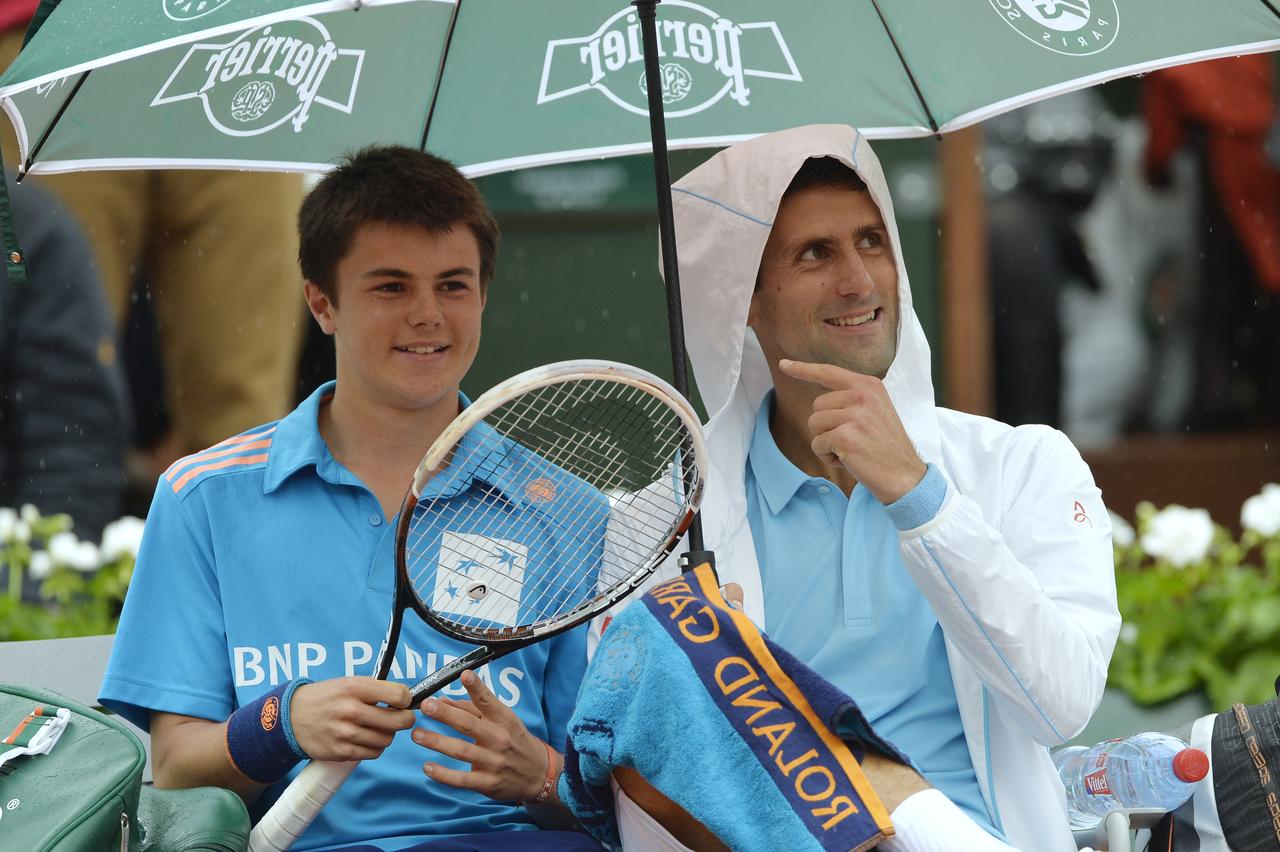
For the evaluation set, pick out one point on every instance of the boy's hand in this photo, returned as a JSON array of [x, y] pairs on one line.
[[507, 762], [341, 719]]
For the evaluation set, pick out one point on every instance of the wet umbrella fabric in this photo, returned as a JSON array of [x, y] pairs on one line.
[[283, 84]]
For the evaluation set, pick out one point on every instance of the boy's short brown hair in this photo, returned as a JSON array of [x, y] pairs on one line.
[[393, 185]]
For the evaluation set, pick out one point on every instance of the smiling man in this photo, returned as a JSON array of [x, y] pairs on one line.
[[264, 581], [951, 574]]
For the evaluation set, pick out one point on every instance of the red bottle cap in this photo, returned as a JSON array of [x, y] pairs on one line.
[[1190, 765]]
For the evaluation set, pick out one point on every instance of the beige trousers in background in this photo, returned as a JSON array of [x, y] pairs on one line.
[[218, 251]]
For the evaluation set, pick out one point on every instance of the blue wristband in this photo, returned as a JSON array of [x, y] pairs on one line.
[[260, 740], [921, 504]]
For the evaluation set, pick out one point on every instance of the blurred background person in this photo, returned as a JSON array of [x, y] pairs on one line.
[[1222, 111], [63, 419], [1092, 273], [1044, 165], [214, 252]]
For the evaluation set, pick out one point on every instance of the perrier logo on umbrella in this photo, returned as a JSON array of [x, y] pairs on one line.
[[265, 77], [703, 56], [1071, 27], [187, 10]]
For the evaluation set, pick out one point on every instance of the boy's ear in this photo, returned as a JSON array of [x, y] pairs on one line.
[[321, 307]]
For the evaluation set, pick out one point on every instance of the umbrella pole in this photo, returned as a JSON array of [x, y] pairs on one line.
[[647, 11]]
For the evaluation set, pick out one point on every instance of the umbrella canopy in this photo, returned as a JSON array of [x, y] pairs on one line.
[[501, 84]]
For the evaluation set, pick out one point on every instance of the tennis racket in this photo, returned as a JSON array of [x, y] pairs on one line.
[[544, 503]]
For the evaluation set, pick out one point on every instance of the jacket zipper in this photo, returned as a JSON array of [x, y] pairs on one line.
[[124, 831]]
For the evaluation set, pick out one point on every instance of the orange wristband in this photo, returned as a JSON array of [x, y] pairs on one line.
[[550, 783]]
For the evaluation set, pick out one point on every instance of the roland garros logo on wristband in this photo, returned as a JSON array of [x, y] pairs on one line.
[[1069, 27], [270, 713]]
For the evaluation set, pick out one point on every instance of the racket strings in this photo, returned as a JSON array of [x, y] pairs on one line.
[[570, 491], [643, 411], [599, 462], [570, 586]]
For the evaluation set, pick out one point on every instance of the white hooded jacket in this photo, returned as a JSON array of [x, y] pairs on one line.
[[1017, 564]]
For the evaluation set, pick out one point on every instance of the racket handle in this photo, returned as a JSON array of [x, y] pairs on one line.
[[298, 805]]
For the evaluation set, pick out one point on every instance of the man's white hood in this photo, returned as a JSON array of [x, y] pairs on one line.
[[1017, 564], [724, 211]]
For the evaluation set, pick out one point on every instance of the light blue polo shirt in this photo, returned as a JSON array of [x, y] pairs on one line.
[[263, 560], [838, 597]]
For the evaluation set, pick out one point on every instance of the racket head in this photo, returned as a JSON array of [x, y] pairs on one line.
[[547, 500]]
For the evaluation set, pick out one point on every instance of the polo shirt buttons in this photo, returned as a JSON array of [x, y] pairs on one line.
[[824, 489], [375, 519]]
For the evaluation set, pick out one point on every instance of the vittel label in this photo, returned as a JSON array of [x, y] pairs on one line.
[[1096, 783]]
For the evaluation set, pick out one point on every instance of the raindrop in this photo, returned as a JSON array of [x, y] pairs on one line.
[[913, 187], [1004, 177], [1039, 129]]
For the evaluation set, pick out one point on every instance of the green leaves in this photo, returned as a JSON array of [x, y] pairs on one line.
[[1212, 624]]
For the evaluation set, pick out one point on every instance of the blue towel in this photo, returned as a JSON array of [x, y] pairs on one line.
[[747, 739]]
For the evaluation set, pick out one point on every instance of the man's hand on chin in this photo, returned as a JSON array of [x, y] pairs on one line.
[[855, 425]]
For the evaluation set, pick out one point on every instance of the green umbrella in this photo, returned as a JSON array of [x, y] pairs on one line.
[[282, 84]]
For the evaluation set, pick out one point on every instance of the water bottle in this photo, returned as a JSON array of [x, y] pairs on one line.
[[1142, 771]]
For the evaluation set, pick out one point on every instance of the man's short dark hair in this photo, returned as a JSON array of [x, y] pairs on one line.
[[391, 185], [825, 172], [821, 173]]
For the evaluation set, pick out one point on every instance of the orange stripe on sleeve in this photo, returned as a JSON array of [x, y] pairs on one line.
[[218, 465], [187, 461], [209, 456]]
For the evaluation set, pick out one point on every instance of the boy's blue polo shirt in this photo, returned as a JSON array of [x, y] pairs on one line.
[[838, 597], [263, 560]]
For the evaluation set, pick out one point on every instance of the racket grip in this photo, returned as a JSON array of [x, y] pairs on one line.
[[298, 805]]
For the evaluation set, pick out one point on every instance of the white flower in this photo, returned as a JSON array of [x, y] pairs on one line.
[[62, 547], [30, 513], [1180, 535], [66, 549], [1122, 534], [21, 531], [1128, 633], [121, 538], [8, 522], [41, 565], [86, 558], [1261, 512]]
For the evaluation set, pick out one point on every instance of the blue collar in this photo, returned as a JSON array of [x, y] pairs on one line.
[[491, 459], [297, 444], [776, 477]]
